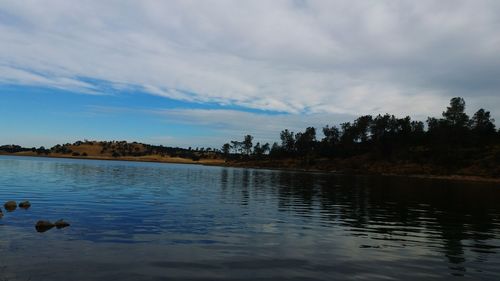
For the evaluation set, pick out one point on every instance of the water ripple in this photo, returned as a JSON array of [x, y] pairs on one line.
[[147, 221]]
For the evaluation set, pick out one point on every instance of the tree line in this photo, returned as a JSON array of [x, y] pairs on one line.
[[451, 140]]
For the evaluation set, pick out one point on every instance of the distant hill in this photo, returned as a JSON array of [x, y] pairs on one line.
[[120, 150]]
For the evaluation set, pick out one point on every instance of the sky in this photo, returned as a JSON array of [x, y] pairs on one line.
[[200, 73]]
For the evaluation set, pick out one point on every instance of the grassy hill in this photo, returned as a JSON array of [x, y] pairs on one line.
[[119, 150]]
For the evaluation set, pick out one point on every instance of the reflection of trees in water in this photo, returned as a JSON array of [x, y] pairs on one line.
[[224, 179], [295, 193], [450, 217], [245, 178]]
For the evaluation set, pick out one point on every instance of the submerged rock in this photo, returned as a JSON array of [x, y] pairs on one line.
[[61, 223], [1, 214], [42, 226], [10, 206], [25, 204]]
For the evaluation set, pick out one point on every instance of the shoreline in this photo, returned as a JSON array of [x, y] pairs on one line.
[[223, 163], [126, 159]]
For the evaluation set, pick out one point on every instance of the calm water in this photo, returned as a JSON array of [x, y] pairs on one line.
[[147, 221]]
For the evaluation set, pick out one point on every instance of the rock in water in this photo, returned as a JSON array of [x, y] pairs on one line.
[[1, 214], [25, 204], [10, 206], [42, 226], [61, 224]]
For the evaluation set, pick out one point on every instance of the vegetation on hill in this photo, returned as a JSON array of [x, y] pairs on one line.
[[114, 150], [452, 144]]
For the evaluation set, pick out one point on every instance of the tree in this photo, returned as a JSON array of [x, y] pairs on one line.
[[348, 135], [455, 115], [417, 127], [404, 127], [236, 145], [247, 144], [275, 151], [332, 135], [257, 149], [417, 132], [42, 150], [433, 124], [305, 142], [389, 132], [226, 149], [287, 141], [482, 123], [260, 150], [361, 126], [379, 127], [331, 139], [266, 147]]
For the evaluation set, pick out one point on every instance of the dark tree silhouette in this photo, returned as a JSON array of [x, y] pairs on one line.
[[226, 149], [455, 115], [451, 143], [287, 142], [482, 123], [236, 145], [247, 144], [305, 142], [259, 150]]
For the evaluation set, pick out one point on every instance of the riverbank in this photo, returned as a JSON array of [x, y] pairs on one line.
[[147, 158], [358, 167], [403, 170]]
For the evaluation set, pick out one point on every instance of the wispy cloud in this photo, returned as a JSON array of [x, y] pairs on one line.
[[343, 57]]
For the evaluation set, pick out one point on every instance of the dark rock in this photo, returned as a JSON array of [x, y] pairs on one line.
[[61, 224], [25, 204], [1, 214], [42, 226], [10, 206]]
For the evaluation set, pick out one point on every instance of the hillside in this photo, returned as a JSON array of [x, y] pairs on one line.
[[119, 150]]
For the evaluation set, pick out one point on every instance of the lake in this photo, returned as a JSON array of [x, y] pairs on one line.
[[152, 221]]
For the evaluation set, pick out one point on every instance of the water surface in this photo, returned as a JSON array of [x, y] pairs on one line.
[[151, 221]]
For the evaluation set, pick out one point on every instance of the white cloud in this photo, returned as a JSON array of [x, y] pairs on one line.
[[345, 57]]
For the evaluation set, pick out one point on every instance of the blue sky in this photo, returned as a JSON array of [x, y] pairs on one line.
[[45, 116], [200, 73]]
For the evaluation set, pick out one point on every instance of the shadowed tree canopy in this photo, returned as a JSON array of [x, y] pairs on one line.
[[455, 115], [247, 144], [306, 142], [332, 135], [287, 141], [452, 142], [482, 123], [226, 149]]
